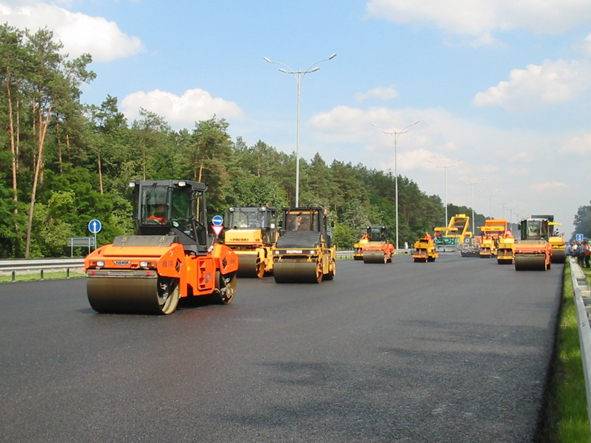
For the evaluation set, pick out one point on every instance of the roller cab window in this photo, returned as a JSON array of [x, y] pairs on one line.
[[154, 206], [247, 218]]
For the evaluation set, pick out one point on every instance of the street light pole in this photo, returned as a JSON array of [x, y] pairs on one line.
[[490, 197], [472, 183], [445, 168], [299, 75], [395, 135]]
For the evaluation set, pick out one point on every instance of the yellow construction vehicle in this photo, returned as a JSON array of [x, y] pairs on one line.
[[491, 232], [378, 249], [304, 251], [555, 239], [251, 233], [558, 247], [425, 250], [445, 239], [505, 248], [532, 251], [450, 238], [358, 247], [170, 257]]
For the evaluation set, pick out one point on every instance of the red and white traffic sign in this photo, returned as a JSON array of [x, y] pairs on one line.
[[217, 230]]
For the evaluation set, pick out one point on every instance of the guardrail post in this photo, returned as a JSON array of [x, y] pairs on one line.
[[41, 274], [13, 276], [67, 273]]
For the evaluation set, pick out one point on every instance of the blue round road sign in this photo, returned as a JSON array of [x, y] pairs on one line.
[[94, 226], [217, 220]]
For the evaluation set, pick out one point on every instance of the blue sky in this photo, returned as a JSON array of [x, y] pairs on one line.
[[502, 90]]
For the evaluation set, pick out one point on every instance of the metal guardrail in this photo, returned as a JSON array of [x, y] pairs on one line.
[[582, 295], [26, 266]]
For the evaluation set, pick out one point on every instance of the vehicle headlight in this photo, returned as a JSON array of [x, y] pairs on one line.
[[100, 264]]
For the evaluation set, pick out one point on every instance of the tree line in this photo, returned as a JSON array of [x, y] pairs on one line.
[[63, 163]]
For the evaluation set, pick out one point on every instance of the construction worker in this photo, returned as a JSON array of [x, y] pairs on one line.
[[428, 236]]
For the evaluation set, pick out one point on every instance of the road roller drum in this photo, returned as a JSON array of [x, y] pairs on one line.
[[530, 262], [250, 265], [374, 257]]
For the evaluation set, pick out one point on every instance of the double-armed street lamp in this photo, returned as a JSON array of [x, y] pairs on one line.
[[299, 75], [445, 168], [395, 134]]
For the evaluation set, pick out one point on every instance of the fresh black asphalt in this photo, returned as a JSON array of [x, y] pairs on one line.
[[452, 351]]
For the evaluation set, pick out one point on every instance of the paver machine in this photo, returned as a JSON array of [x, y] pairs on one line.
[[252, 232], [304, 252], [533, 251], [450, 238], [378, 249], [425, 250], [171, 256]]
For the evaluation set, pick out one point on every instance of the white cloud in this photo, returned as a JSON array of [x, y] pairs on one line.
[[480, 18], [538, 85], [587, 46], [578, 145], [78, 32], [549, 186], [383, 93], [179, 111], [521, 168]]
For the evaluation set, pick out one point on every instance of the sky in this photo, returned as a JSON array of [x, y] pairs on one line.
[[501, 90]]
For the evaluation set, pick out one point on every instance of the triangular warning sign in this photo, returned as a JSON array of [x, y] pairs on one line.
[[217, 230]]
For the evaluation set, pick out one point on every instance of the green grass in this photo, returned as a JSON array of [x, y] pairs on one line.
[[36, 276], [567, 420]]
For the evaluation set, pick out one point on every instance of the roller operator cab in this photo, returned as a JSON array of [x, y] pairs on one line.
[[533, 251], [378, 249], [251, 233], [172, 256], [304, 251]]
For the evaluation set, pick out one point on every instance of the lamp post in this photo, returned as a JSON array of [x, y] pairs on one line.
[[299, 75], [511, 214], [472, 183], [490, 197], [395, 135], [445, 168]]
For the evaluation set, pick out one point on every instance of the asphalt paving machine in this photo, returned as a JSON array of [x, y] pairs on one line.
[[533, 251], [252, 232], [171, 256], [304, 252], [378, 249], [425, 250], [450, 238]]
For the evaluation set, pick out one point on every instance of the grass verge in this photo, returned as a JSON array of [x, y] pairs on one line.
[[567, 420]]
